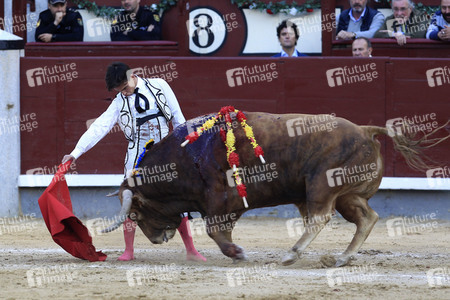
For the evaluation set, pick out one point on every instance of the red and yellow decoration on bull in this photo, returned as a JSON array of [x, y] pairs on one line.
[[229, 140]]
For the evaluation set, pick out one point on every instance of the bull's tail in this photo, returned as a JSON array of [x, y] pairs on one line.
[[411, 147]]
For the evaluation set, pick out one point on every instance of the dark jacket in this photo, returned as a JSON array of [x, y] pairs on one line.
[[344, 19], [144, 18], [69, 30]]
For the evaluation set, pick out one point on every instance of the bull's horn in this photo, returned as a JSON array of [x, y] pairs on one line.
[[124, 211], [112, 194]]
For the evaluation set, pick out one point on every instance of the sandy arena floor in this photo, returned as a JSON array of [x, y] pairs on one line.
[[392, 264]]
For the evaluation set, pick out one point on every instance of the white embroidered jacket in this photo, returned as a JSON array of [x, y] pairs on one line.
[[122, 110]]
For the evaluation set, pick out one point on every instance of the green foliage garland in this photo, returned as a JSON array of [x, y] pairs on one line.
[[270, 8]]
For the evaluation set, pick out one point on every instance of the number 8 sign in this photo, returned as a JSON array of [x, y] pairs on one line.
[[207, 30]]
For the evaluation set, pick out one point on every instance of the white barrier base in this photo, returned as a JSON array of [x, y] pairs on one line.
[[99, 180]]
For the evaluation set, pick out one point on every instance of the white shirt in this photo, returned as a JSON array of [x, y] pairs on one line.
[[284, 54], [122, 111]]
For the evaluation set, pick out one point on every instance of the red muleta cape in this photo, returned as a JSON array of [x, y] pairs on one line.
[[66, 229]]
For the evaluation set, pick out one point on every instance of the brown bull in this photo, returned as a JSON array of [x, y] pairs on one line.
[[324, 165]]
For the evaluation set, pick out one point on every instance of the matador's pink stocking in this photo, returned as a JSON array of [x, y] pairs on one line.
[[185, 232], [129, 229]]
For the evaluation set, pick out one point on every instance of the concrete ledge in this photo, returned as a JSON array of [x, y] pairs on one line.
[[109, 180], [91, 202], [73, 180], [396, 197]]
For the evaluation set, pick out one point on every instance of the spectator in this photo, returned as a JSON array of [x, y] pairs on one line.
[[405, 22], [439, 28], [362, 47], [59, 24], [288, 35], [135, 23], [358, 21]]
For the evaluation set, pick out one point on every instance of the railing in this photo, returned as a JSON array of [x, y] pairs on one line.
[[81, 49], [389, 47]]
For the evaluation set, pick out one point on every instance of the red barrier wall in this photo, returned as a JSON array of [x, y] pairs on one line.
[[62, 108]]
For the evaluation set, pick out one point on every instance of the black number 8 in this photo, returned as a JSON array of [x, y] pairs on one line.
[[196, 34]]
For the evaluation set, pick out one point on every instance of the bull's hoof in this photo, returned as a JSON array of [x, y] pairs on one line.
[[239, 255], [290, 258], [240, 259], [343, 261]]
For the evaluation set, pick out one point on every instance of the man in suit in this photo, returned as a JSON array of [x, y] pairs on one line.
[[287, 33]]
